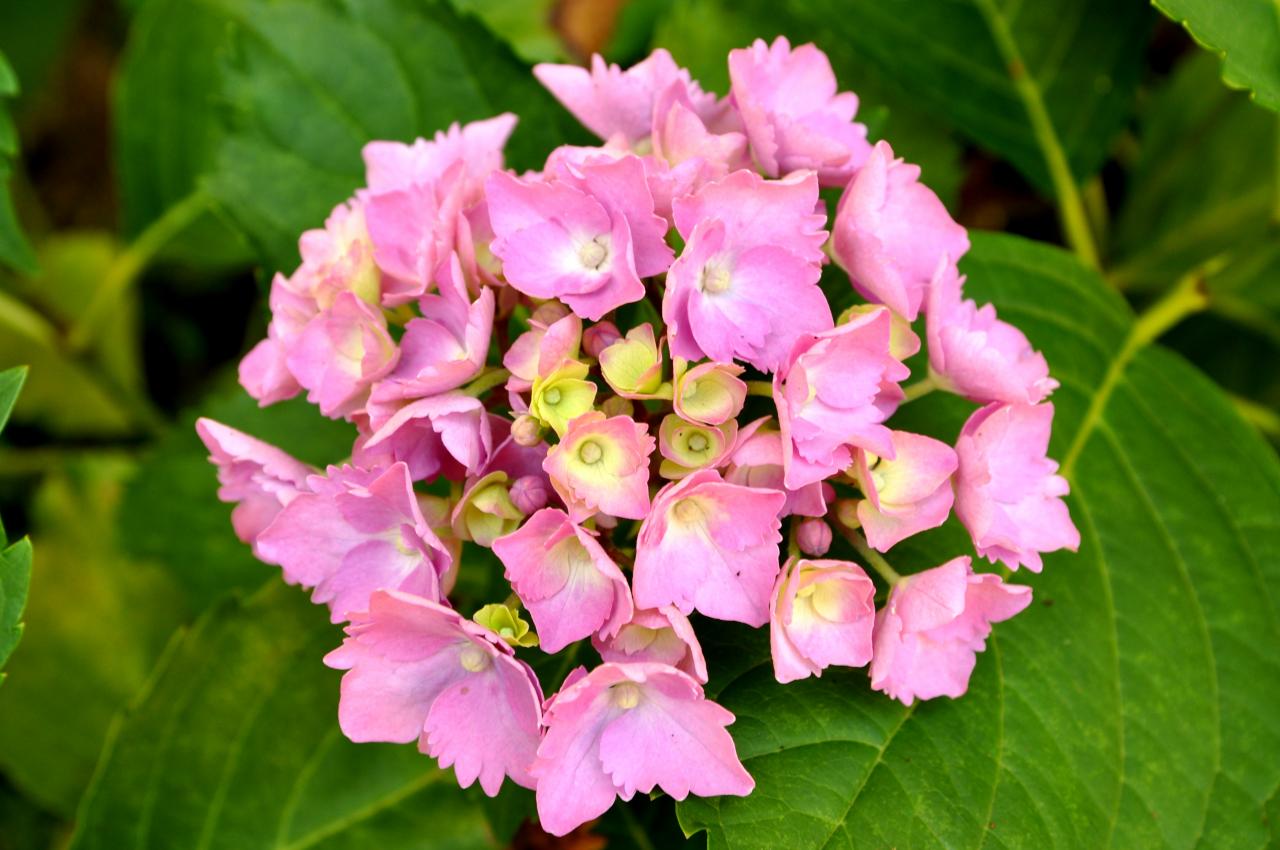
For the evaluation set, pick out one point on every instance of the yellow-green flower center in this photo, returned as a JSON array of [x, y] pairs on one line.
[[473, 659], [590, 452], [715, 278], [593, 254], [626, 695], [552, 396]]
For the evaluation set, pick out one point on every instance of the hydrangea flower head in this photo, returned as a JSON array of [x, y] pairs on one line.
[[821, 613], [602, 464]]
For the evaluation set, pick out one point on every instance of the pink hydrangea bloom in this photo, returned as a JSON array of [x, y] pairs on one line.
[[757, 461], [746, 285], [627, 728], [906, 494], [891, 231], [602, 464], [259, 478], [418, 670], [337, 259], [821, 614], [446, 347], [978, 356], [712, 546], [264, 372], [357, 531], [340, 353], [658, 635], [833, 393], [542, 349], [687, 154], [449, 434], [929, 633], [792, 112], [586, 238], [710, 393], [609, 101], [1008, 494], [475, 149], [571, 588]]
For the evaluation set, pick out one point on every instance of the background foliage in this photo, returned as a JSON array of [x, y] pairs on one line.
[[158, 159]]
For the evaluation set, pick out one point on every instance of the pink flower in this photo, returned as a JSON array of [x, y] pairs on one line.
[[608, 100], [907, 494], [475, 149], [821, 614], [562, 575], [259, 478], [891, 231], [602, 464], [586, 238], [448, 433], [792, 113], [974, 354], [624, 728], [712, 546], [418, 670], [709, 393], [833, 393], [686, 153], [542, 349], [357, 531], [658, 635], [814, 537], [929, 633], [264, 372], [757, 461], [338, 259], [746, 285], [340, 353], [446, 347], [1008, 494]]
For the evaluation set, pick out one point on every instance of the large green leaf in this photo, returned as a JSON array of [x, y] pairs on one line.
[[1133, 705], [312, 83], [11, 381], [15, 560], [15, 250], [1244, 33], [996, 68], [96, 623], [235, 744]]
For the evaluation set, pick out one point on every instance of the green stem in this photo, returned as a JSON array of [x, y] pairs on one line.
[[760, 388], [130, 263], [1188, 296], [922, 387], [1259, 416], [874, 558], [485, 382], [1075, 223]]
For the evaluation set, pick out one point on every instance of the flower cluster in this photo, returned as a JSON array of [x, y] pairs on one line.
[[623, 375]]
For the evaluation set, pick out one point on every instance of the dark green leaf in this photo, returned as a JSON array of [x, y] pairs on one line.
[[15, 250], [313, 83], [97, 622], [171, 513], [235, 744], [11, 381], [1131, 706], [1245, 34], [15, 577]]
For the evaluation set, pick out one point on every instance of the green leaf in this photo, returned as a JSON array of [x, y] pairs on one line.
[[15, 578], [1244, 34], [97, 621], [235, 744], [1204, 182], [993, 67], [15, 250], [313, 83], [1132, 705], [171, 513], [11, 381]]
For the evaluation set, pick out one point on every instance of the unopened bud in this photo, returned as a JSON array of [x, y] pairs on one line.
[[847, 513], [526, 431], [600, 336], [617, 406], [549, 312], [529, 493], [814, 537]]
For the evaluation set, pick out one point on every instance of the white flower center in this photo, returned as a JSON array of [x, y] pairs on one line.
[[473, 659], [552, 396], [626, 695], [715, 278], [595, 253], [698, 443]]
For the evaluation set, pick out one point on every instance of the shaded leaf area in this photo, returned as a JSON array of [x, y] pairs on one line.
[[1244, 34], [15, 560], [171, 514], [15, 250], [960, 61], [234, 744], [700, 34], [1130, 706], [96, 622], [313, 82]]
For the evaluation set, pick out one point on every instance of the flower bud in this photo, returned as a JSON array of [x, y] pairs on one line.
[[847, 513], [632, 366], [814, 537], [505, 622], [486, 511], [562, 395], [529, 493], [526, 431], [548, 312], [616, 405], [600, 336]]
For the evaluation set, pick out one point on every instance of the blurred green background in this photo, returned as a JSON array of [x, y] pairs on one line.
[[157, 197]]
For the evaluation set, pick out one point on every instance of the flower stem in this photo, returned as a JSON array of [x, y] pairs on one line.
[[761, 388], [485, 382], [922, 387], [874, 558]]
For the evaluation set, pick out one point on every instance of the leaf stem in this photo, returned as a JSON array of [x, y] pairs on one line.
[[874, 558], [760, 388], [1259, 416], [1075, 222], [485, 382], [920, 388], [130, 263]]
